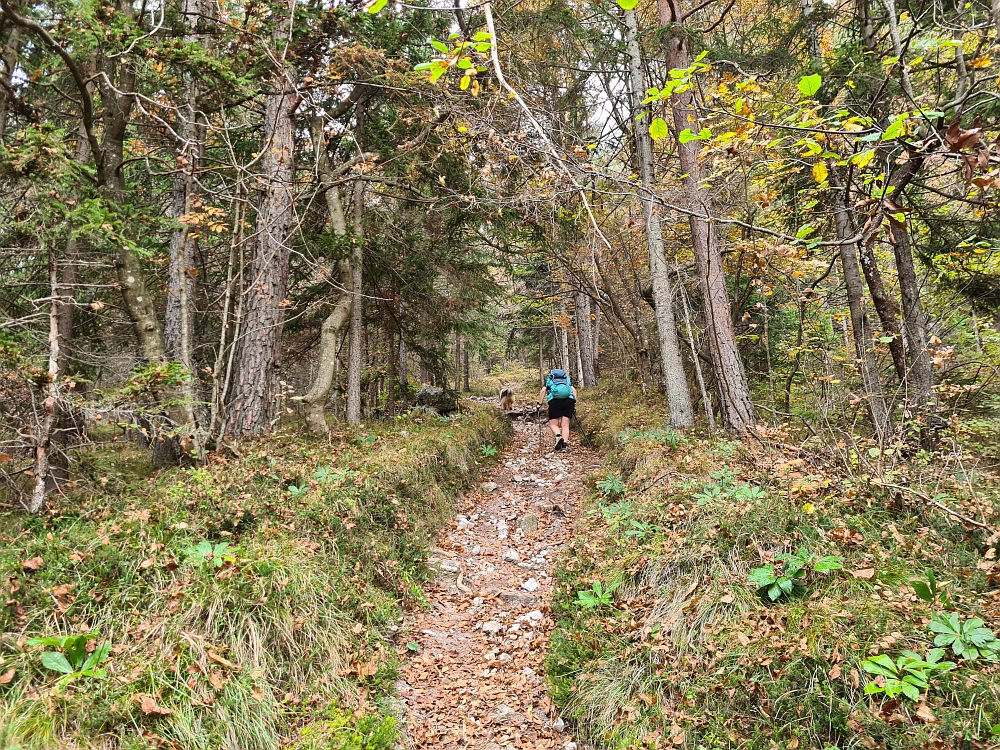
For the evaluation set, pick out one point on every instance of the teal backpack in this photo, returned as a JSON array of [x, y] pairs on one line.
[[558, 384]]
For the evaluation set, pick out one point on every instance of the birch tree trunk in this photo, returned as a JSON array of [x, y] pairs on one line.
[[253, 408], [672, 365], [45, 427], [735, 403]]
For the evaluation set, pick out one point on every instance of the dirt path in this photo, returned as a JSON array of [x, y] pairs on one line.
[[476, 681]]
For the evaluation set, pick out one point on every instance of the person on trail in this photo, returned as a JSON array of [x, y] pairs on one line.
[[560, 395]]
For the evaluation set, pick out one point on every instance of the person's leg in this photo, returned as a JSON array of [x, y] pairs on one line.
[[553, 422], [565, 428]]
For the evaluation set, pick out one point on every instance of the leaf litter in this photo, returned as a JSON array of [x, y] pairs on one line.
[[473, 658]]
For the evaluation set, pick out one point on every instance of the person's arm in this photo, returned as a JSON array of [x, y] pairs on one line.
[[542, 394], [574, 391]]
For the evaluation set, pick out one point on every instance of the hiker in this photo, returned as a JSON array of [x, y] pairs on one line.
[[561, 397]]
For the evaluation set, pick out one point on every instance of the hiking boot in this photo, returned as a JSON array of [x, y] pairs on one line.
[[560, 443]]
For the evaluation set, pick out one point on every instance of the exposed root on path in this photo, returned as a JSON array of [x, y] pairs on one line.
[[476, 680]]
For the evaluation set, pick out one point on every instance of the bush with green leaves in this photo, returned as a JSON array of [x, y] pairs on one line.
[[661, 435], [611, 485], [207, 553], [969, 639], [488, 451], [72, 660], [907, 675], [599, 595], [783, 580]]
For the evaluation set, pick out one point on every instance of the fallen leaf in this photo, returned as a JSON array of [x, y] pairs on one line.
[[835, 672], [6, 677], [215, 678], [864, 573], [221, 660], [33, 564], [5, 457], [793, 743], [149, 706], [925, 714]]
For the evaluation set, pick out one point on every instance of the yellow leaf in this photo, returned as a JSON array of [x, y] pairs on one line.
[[820, 172], [983, 61]]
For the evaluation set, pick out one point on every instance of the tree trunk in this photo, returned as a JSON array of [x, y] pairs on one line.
[[404, 384], [458, 362], [356, 351], [920, 381], [735, 403], [674, 379], [885, 307], [563, 348], [254, 407], [812, 32], [874, 394], [8, 60], [465, 365], [45, 427], [584, 333], [334, 324]]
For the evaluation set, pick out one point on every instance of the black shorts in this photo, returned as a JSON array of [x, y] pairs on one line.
[[562, 407]]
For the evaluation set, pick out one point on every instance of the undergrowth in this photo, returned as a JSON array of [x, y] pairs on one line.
[[242, 605], [675, 629]]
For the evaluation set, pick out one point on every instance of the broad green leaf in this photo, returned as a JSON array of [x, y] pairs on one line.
[[482, 36], [628, 4], [464, 83], [465, 63], [658, 129], [896, 129], [810, 84], [376, 6], [57, 662], [438, 70], [439, 46]]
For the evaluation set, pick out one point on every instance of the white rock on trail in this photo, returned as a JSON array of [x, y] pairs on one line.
[[492, 627], [490, 486], [510, 555], [501, 529], [530, 585]]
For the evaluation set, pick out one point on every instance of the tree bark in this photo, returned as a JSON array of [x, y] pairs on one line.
[[737, 407], [46, 426], [253, 409], [8, 59], [584, 334], [874, 394], [672, 365], [404, 385], [334, 324], [356, 350], [921, 398]]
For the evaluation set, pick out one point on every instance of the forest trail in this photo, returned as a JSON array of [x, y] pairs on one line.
[[477, 680]]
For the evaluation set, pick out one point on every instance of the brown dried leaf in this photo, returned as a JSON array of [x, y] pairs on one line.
[[33, 564], [149, 706], [6, 677], [864, 574], [925, 714]]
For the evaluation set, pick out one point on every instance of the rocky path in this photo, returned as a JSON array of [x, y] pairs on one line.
[[475, 680]]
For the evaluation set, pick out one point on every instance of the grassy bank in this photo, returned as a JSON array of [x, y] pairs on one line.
[[666, 638], [240, 605]]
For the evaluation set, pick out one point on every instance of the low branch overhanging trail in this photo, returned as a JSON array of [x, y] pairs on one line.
[[475, 677]]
